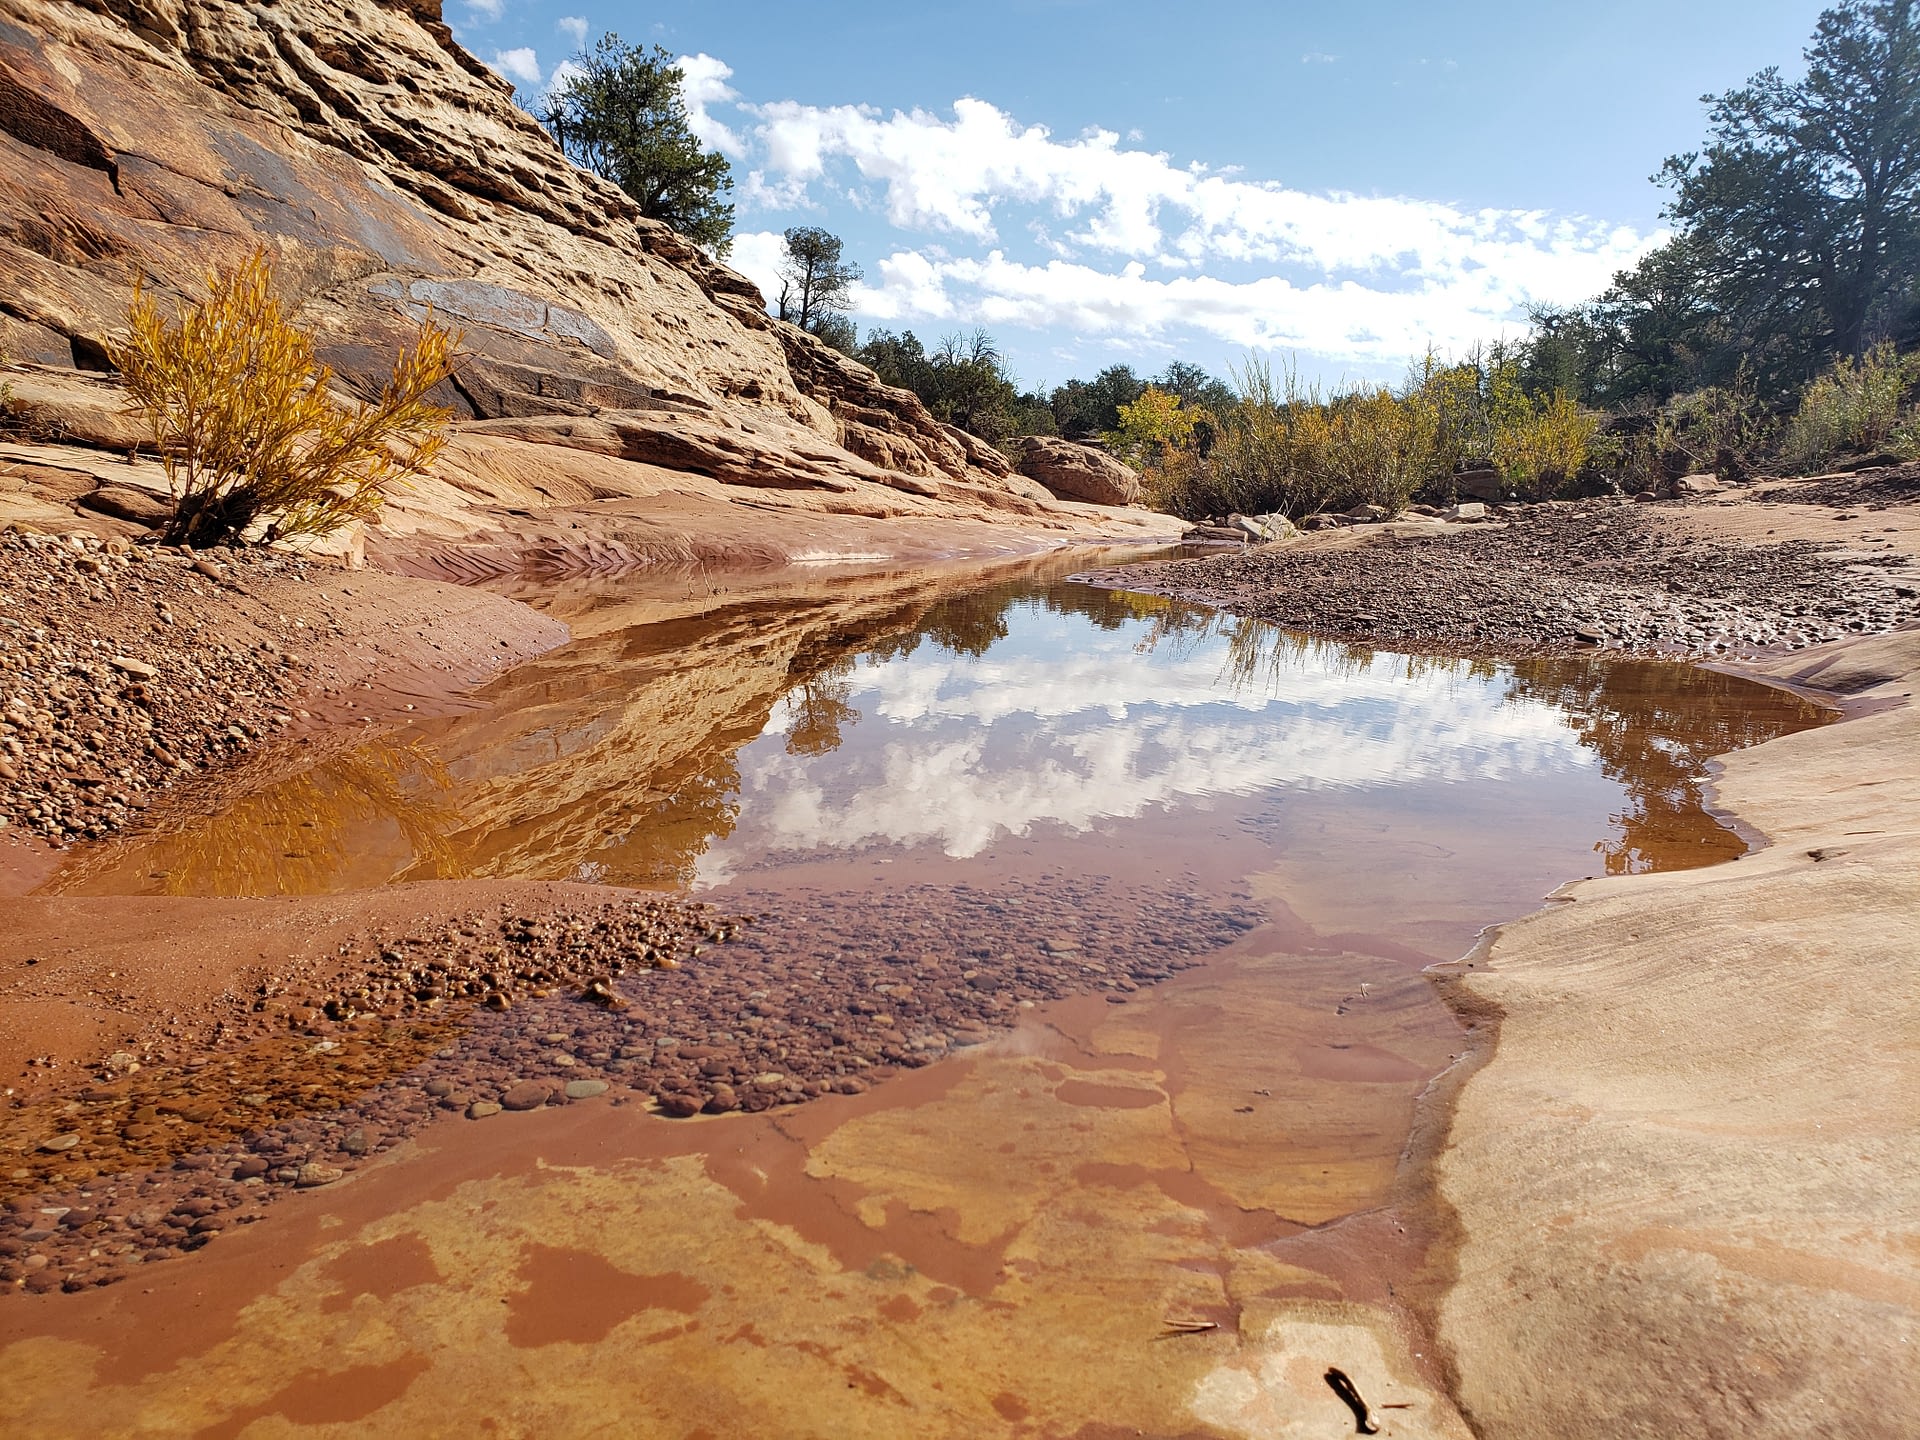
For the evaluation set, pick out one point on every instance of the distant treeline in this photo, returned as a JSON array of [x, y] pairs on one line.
[[1776, 331], [1772, 333]]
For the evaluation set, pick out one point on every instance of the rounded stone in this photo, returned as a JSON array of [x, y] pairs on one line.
[[527, 1095], [585, 1089]]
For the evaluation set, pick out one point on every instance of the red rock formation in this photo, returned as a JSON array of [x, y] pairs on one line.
[[387, 173]]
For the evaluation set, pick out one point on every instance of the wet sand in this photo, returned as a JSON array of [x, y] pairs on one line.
[[848, 1268]]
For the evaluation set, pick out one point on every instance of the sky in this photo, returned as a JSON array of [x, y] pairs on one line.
[[1334, 187]]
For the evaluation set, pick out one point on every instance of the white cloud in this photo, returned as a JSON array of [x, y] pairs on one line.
[[565, 71], [1005, 223], [757, 254], [1341, 319], [488, 10], [574, 27], [703, 83], [1366, 279], [1318, 57], [519, 64]]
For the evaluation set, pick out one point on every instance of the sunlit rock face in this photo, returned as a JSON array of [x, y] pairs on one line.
[[388, 175]]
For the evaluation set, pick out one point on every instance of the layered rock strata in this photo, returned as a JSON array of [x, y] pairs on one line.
[[388, 175]]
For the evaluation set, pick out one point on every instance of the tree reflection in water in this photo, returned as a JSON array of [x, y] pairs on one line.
[[1654, 726], [620, 758]]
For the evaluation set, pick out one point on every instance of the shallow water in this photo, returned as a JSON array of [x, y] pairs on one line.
[[869, 729], [1162, 1208]]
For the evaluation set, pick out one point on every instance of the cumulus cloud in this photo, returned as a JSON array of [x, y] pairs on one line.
[[757, 254], [1006, 223], [703, 83], [1360, 277], [1343, 320], [574, 27], [564, 72], [519, 64], [488, 10]]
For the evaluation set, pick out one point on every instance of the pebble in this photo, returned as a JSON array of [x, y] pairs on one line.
[[101, 713], [1559, 576], [59, 1143], [807, 1002], [527, 1095]]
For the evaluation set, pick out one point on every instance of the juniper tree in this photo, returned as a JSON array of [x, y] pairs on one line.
[[619, 113]]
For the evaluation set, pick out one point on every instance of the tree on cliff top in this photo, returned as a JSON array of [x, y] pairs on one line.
[[619, 114], [814, 281]]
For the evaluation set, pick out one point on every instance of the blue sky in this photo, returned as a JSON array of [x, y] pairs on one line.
[[1093, 180]]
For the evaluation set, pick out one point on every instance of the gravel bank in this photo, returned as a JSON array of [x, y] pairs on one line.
[[1558, 576], [128, 672]]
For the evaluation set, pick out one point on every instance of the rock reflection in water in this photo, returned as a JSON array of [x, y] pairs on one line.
[[882, 716], [327, 827]]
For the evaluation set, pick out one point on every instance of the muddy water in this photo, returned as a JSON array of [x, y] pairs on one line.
[[1145, 1210]]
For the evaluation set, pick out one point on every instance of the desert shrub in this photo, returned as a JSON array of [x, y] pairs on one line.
[[1379, 447], [246, 426], [1542, 449], [1454, 393], [1857, 406], [1267, 456], [1724, 429], [1158, 435]]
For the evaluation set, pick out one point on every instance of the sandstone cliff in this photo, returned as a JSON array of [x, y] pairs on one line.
[[388, 172]]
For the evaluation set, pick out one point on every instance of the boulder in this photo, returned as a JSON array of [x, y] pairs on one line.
[[1368, 514], [1215, 535], [1697, 485], [1263, 529], [1479, 485], [1468, 510], [1078, 472]]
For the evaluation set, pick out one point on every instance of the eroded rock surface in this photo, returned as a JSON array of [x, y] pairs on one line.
[[388, 175], [1078, 472]]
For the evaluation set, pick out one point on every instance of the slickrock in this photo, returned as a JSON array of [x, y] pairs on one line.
[[388, 175]]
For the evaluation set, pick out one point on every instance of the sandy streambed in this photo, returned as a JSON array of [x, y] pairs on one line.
[[1168, 1211], [1132, 1212]]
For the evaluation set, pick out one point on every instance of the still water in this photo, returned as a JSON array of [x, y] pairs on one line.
[[1164, 1209], [883, 726]]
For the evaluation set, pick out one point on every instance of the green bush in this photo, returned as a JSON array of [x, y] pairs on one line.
[[1855, 408]]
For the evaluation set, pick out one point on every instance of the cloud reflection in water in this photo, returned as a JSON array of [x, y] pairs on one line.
[[1071, 723]]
